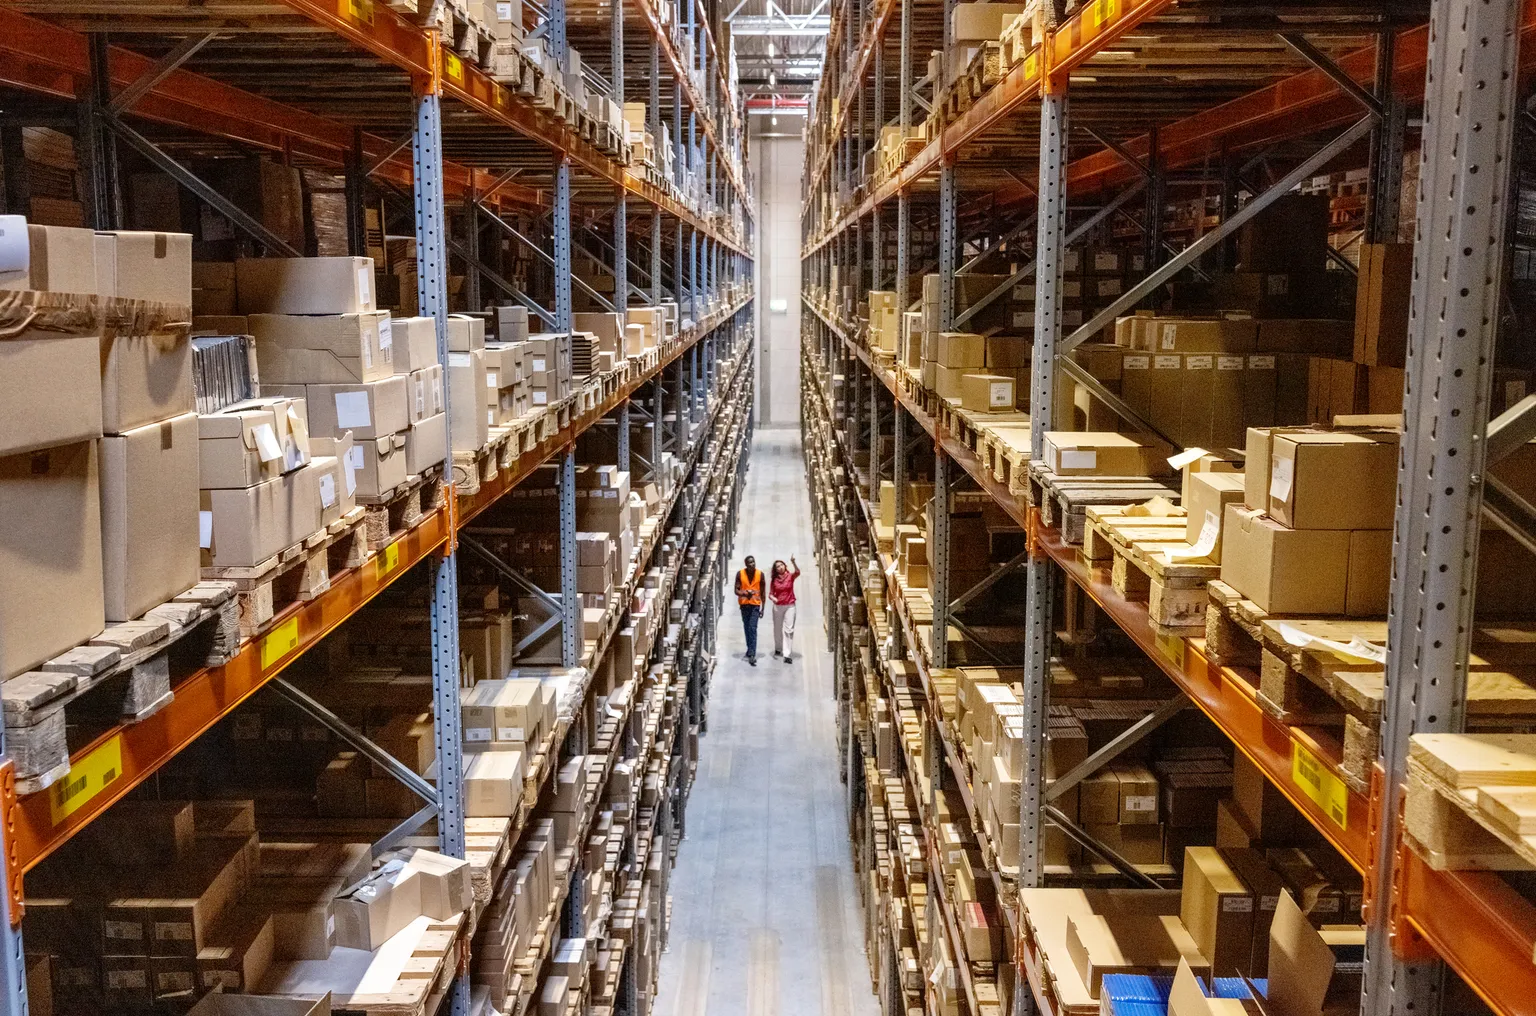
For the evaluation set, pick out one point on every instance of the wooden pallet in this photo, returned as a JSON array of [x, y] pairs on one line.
[[986, 69], [1064, 500], [1469, 800], [407, 976], [1135, 545], [131, 668], [1005, 451], [1018, 39], [402, 507]]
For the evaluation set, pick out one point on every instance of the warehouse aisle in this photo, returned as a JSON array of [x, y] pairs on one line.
[[766, 918]]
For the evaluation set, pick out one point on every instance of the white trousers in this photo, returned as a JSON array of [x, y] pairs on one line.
[[784, 628]]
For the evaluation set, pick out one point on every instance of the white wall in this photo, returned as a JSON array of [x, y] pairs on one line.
[[776, 162]]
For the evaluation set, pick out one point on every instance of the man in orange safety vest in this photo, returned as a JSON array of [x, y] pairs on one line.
[[749, 595]]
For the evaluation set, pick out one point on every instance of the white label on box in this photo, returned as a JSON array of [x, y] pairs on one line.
[[1261, 363], [1165, 362], [330, 925], [367, 355], [365, 284], [350, 464], [1073, 458], [492, 379], [540, 397], [266, 443], [386, 333], [1280, 473], [355, 456], [1202, 362], [510, 734], [1170, 332], [503, 12], [1140, 802], [15, 247], [327, 490], [477, 733], [420, 390], [352, 411], [1229, 363], [1001, 394], [205, 530], [538, 364], [1237, 905], [460, 359], [1136, 363]]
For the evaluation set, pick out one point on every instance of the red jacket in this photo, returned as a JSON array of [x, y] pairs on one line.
[[782, 589]]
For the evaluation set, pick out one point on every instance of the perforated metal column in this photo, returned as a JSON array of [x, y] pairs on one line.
[[949, 242], [432, 293], [938, 552], [570, 600], [563, 245], [1469, 114]]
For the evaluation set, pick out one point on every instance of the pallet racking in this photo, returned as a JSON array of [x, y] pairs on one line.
[[1117, 108], [410, 104]]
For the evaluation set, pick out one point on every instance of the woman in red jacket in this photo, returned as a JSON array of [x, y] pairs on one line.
[[781, 590]]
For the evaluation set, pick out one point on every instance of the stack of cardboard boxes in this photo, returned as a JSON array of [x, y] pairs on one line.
[[98, 436], [548, 368]]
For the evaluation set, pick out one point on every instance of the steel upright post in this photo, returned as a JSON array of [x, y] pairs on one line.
[[432, 293], [570, 599], [1470, 96]]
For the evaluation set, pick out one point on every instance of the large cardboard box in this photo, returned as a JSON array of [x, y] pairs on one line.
[[50, 554], [412, 342], [1333, 480], [334, 285], [467, 421], [374, 910], [324, 349], [149, 506], [1217, 908], [369, 409], [493, 783], [50, 378], [145, 379], [378, 464], [244, 527], [1385, 284], [1284, 571], [981, 22], [58, 259], [150, 266], [1100, 453], [960, 350], [1197, 335], [426, 444]]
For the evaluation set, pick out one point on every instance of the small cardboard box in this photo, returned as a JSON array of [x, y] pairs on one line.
[[1284, 571], [466, 333], [493, 784], [1208, 495], [331, 285], [378, 464], [1333, 480], [149, 516], [960, 350], [412, 342], [1101, 453], [238, 447], [369, 409], [1217, 908], [327, 349], [987, 393], [426, 444], [467, 421], [373, 911], [50, 554], [151, 266], [444, 882], [52, 259]]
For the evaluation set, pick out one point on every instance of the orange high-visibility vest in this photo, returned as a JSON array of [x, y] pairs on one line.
[[749, 592]]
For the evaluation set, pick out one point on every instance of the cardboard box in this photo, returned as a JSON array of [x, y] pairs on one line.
[[987, 393], [58, 259], [241, 528], [1368, 587], [1217, 908], [237, 951], [50, 378], [426, 444], [467, 422], [1197, 335], [1266, 888], [1305, 474], [50, 554], [156, 267], [1284, 571], [507, 711], [373, 911], [145, 379], [369, 409], [1385, 284], [466, 333], [1206, 499], [1313, 336], [378, 464], [960, 350], [412, 342], [332, 285], [493, 783], [444, 884], [1100, 453], [1129, 944], [1136, 793], [326, 349], [149, 516], [213, 285], [981, 22]]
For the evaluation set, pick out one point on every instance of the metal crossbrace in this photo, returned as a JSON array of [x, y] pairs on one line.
[[1317, 58], [551, 260], [366, 746], [1028, 270], [1125, 740], [163, 68], [1115, 404], [490, 275], [1024, 226], [1084, 839], [194, 183], [991, 580], [977, 641], [471, 543], [1509, 511], [1193, 252], [405, 830]]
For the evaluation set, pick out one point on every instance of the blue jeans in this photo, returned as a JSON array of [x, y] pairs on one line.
[[749, 617]]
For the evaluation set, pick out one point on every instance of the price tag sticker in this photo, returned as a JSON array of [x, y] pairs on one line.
[[1320, 785], [283, 640]]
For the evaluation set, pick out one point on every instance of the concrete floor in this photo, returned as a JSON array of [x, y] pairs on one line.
[[766, 917]]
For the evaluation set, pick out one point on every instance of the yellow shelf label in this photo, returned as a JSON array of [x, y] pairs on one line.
[[1171, 646], [283, 640], [87, 778], [1320, 785], [360, 10], [389, 559], [453, 67]]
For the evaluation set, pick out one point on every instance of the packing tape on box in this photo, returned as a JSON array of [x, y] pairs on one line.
[[1355, 649]]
